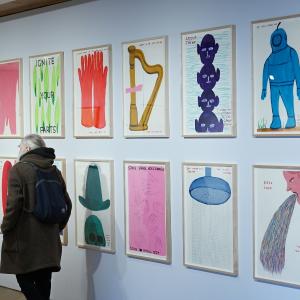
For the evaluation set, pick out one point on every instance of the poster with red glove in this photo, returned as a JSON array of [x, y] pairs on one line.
[[92, 92]]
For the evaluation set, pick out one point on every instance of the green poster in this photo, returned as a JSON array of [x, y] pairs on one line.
[[46, 90]]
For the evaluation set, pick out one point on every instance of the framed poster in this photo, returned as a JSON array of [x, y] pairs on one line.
[[145, 88], [92, 84], [276, 76], [208, 82], [60, 163], [6, 164], [276, 224], [147, 210], [47, 95], [95, 221], [210, 217], [11, 99]]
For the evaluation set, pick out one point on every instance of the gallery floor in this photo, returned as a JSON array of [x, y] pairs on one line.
[[8, 294]]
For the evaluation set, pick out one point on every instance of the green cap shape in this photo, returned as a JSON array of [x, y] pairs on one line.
[[93, 194]]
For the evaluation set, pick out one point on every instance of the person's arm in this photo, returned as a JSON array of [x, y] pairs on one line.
[[15, 201], [68, 202], [265, 78]]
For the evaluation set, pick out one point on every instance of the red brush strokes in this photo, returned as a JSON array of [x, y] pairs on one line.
[[85, 73], [99, 80], [9, 77], [92, 77], [5, 172]]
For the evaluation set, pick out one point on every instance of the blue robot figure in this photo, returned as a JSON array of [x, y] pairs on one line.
[[281, 68]]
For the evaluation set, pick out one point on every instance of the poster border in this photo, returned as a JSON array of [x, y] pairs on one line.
[[168, 259], [21, 103], [110, 134], [112, 249], [255, 276], [235, 264], [233, 133], [166, 134], [62, 87], [272, 133]]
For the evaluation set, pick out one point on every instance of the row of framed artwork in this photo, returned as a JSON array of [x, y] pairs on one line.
[[208, 86], [210, 233]]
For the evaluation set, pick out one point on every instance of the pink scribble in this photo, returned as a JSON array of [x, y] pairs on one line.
[[147, 208], [9, 76], [137, 88]]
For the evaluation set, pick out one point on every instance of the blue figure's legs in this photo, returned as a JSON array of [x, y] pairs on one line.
[[276, 122], [287, 96]]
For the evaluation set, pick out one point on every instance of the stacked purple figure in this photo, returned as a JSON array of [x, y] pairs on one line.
[[207, 79]]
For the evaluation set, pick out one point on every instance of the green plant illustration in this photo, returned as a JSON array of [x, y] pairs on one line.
[[262, 124], [46, 92]]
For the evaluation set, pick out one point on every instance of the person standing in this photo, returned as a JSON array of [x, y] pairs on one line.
[[31, 249]]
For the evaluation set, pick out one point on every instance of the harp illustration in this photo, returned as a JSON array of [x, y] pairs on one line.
[[142, 124]]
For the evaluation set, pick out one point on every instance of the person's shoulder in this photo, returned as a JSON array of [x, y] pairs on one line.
[[21, 167]]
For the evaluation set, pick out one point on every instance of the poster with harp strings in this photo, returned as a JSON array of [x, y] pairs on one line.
[[92, 92], [276, 224], [145, 88], [47, 95], [208, 83]]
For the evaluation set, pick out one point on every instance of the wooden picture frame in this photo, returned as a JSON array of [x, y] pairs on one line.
[[46, 73], [209, 82], [276, 247], [60, 163], [11, 98], [210, 217], [147, 210], [93, 107], [275, 76], [145, 97], [95, 216]]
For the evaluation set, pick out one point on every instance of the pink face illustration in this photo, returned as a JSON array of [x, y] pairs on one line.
[[293, 182]]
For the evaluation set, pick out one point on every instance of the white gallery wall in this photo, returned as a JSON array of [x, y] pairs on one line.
[[91, 275]]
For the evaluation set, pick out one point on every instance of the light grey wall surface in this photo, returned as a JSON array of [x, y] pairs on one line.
[[90, 275]]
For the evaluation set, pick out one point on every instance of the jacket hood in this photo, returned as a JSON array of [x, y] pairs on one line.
[[278, 40], [43, 157]]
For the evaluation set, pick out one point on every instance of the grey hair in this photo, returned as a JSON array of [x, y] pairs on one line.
[[33, 141]]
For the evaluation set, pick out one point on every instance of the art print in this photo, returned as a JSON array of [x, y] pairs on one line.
[[11, 113], [276, 76], [208, 82], [145, 88], [92, 81], [95, 228], [210, 217], [147, 210], [276, 226], [47, 94]]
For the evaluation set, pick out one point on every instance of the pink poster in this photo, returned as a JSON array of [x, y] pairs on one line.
[[9, 87], [147, 209]]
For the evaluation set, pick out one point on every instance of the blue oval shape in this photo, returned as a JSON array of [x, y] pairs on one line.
[[210, 190]]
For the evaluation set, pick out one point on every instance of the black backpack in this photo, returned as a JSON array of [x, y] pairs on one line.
[[50, 205]]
